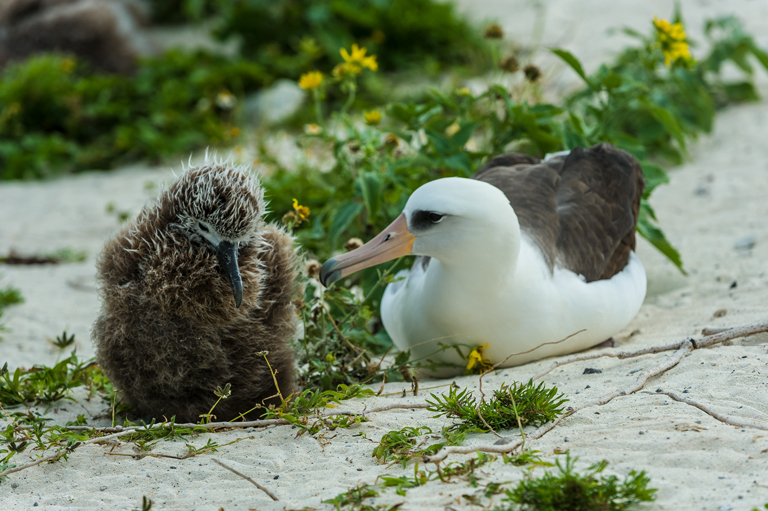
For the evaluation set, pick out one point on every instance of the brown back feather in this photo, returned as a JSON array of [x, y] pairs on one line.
[[581, 209]]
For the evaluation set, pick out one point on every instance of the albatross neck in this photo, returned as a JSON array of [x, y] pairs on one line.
[[482, 262]]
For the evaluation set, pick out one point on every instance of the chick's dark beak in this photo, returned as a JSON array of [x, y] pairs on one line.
[[227, 254]]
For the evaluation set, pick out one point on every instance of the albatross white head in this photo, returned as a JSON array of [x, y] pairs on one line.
[[460, 222]]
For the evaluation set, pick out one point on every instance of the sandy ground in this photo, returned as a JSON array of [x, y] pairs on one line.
[[714, 202]]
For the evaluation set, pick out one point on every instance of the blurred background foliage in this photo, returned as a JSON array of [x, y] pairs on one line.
[[289, 36]]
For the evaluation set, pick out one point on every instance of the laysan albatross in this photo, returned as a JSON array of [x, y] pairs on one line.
[[560, 261]]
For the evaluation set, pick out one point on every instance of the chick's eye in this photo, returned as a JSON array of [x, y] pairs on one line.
[[435, 217], [202, 227]]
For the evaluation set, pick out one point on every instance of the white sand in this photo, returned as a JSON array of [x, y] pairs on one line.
[[695, 461]]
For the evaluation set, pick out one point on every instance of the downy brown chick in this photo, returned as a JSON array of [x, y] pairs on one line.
[[193, 289]]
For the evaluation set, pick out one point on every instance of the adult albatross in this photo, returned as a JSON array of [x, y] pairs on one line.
[[559, 261]]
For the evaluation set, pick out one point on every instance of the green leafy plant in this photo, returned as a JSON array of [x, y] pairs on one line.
[[303, 409], [530, 404], [398, 446], [416, 34], [354, 499], [59, 116], [567, 490], [43, 384]]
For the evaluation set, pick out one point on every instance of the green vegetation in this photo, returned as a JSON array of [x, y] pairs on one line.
[[286, 37], [510, 407], [59, 116], [46, 385], [567, 490], [8, 296], [303, 409]]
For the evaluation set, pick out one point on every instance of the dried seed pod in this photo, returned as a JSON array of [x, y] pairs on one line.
[[352, 244], [532, 73], [494, 31], [509, 64]]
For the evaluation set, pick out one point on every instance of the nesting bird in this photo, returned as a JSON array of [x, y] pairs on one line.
[[193, 289], [554, 273]]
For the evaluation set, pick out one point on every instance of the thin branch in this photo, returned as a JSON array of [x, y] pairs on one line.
[[257, 485], [212, 426], [704, 342], [721, 418]]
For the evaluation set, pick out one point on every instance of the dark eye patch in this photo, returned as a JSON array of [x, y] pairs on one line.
[[202, 227], [421, 220]]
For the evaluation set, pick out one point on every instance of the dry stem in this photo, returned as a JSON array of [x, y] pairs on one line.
[[721, 418], [257, 485], [706, 341]]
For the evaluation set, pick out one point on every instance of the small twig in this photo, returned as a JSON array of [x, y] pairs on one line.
[[709, 412], [712, 330], [397, 406], [706, 341], [257, 485], [400, 392], [211, 425]]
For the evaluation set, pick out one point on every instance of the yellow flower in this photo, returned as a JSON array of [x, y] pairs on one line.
[[312, 129], [311, 80], [346, 69], [672, 41], [476, 359], [67, 65], [463, 91], [234, 131], [302, 212], [358, 59], [373, 117]]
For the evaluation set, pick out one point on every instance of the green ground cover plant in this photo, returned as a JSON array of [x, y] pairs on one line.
[[567, 490], [511, 406]]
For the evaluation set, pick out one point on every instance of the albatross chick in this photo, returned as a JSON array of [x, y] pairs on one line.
[[192, 290]]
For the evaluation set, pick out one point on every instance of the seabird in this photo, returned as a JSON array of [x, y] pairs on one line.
[[192, 290], [509, 280]]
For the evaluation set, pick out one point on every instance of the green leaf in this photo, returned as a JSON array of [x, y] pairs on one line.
[[342, 218], [668, 121], [655, 235], [371, 186], [575, 64], [740, 92], [461, 137], [761, 55], [654, 176]]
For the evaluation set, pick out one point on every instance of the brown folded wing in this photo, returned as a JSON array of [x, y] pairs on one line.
[[580, 209]]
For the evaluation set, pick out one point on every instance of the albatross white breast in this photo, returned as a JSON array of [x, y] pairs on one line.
[[523, 254]]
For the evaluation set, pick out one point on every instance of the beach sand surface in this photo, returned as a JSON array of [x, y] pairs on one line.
[[715, 203]]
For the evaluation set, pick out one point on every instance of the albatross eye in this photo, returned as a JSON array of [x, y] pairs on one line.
[[435, 217], [202, 227]]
